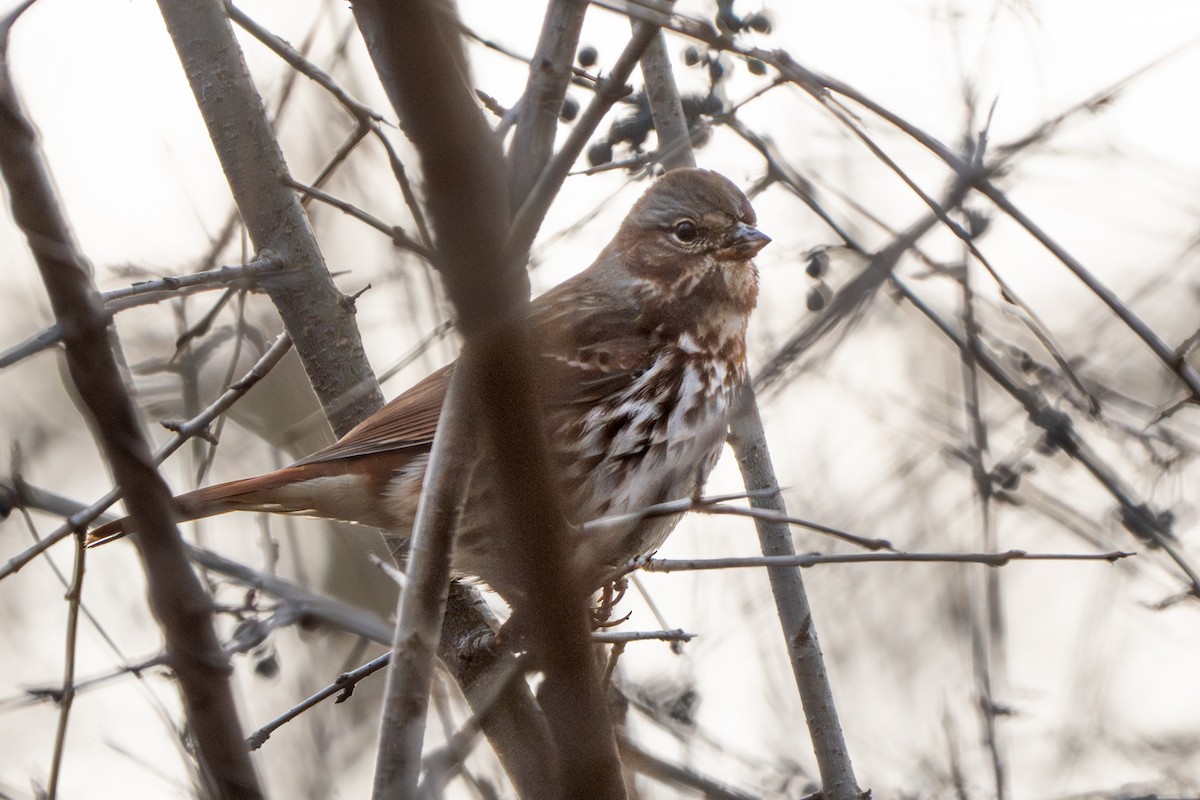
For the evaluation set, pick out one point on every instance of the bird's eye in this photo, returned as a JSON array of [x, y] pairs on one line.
[[685, 231]]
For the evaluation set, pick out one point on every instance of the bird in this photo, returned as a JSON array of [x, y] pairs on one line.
[[637, 359]]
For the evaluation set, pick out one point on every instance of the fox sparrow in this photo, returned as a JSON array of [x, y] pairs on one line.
[[637, 361]]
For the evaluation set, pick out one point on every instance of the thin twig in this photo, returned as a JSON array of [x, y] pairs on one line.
[[343, 686], [713, 506], [1000, 559], [296, 60], [152, 291], [67, 696], [394, 232]]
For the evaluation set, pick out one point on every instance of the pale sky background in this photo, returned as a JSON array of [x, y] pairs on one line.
[[1103, 687]]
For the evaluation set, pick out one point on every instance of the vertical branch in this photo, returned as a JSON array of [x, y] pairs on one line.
[[549, 76], [423, 604], [179, 602], [674, 141], [316, 315], [527, 218], [987, 634], [67, 698], [422, 67], [749, 444]]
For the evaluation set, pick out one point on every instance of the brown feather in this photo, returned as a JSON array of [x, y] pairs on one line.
[[637, 360]]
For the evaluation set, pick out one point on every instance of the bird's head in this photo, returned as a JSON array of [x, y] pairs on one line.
[[689, 241]]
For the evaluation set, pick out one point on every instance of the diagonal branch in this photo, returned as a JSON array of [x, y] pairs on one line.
[[314, 312], [179, 601]]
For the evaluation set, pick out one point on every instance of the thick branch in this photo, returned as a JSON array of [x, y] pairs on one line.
[[674, 141], [420, 62], [749, 445], [549, 76], [314, 312], [179, 601]]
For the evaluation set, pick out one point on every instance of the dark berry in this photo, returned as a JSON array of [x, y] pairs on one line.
[[267, 666], [600, 153], [569, 110], [818, 264], [587, 56], [691, 56], [760, 23], [818, 297], [756, 67]]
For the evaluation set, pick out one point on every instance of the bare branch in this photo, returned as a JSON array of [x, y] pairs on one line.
[[343, 686], [151, 291], [394, 232], [538, 109], [749, 445], [713, 505], [528, 218], [987, 559], [674, 140], [66, 697], [179, 601], [422, 68], [314, 312]]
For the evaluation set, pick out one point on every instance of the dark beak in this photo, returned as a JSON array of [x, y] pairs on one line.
[[747, 240]]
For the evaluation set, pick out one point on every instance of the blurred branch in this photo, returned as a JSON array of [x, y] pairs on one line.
[[822, 87], [1001, 559], [854, 296], [152, 291], [419, 59], [357, 621], [819, 86], [1060, 432], [182, 433], [659, 769], [178, 600], [987, 634], [314, 312]]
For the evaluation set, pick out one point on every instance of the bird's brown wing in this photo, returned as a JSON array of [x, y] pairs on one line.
[[590, 344], [408, 421]]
